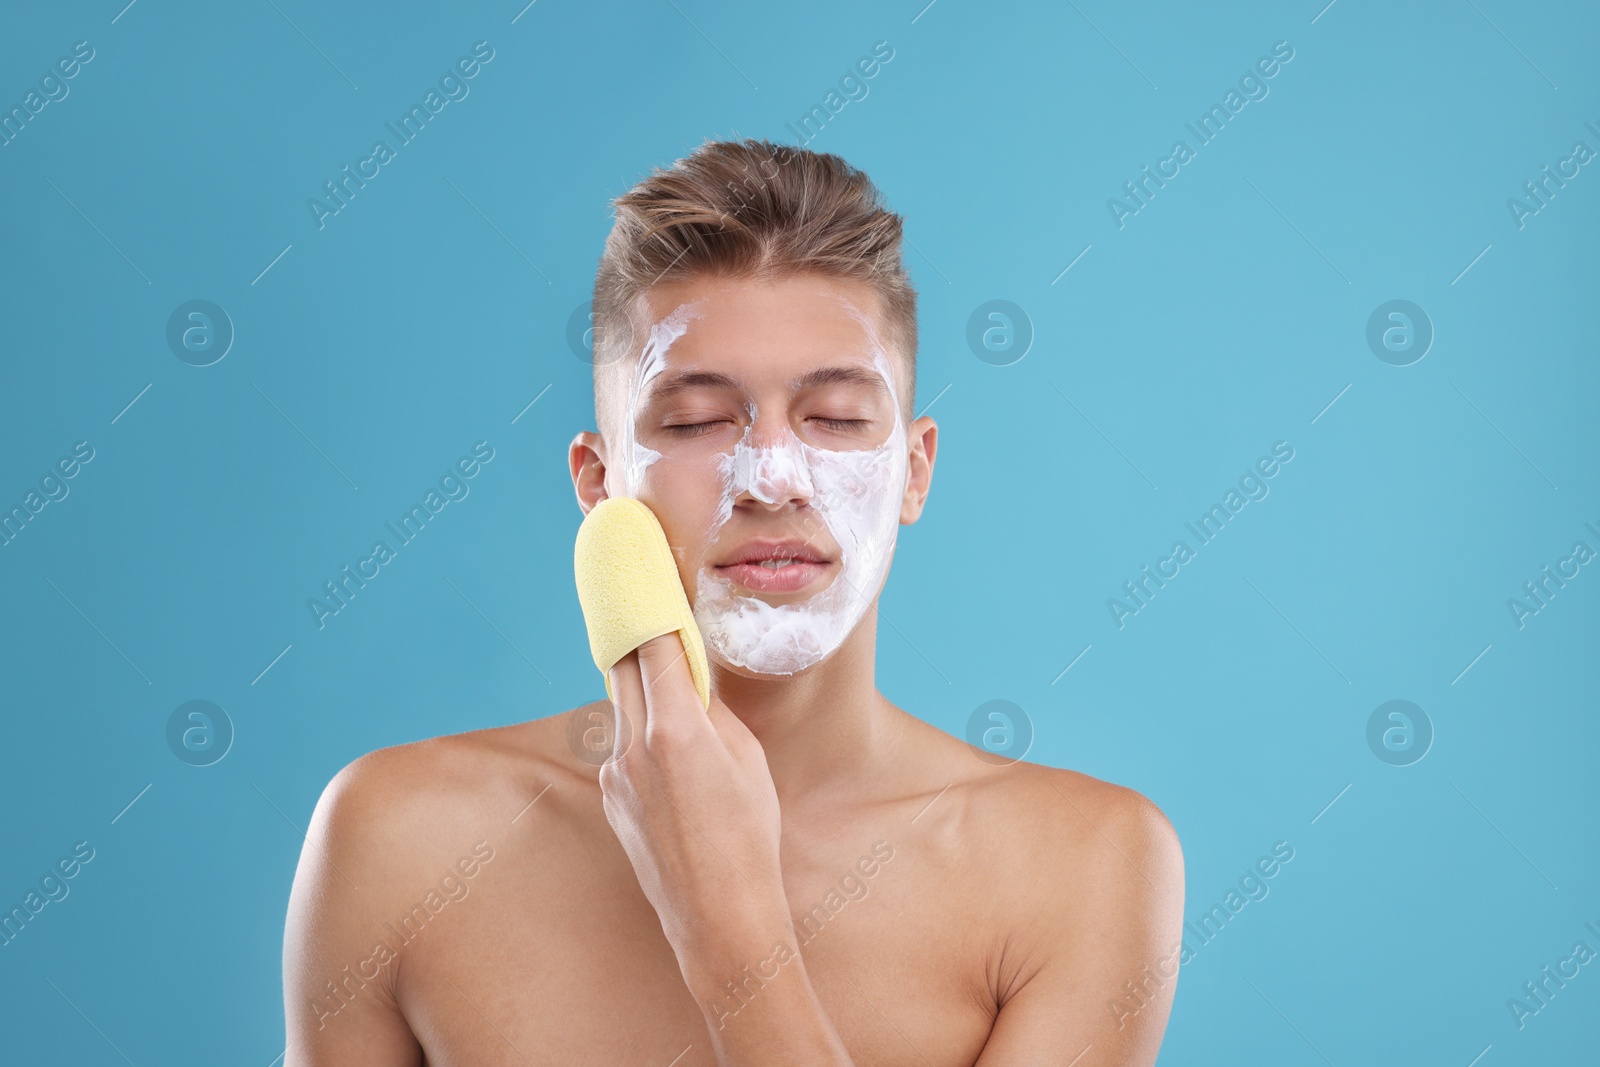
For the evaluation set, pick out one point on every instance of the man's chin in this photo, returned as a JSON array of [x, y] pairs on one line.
[[720, 663], [765, 636]]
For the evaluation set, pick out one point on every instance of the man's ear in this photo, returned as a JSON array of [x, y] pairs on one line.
[[586, 459], [924, 435]]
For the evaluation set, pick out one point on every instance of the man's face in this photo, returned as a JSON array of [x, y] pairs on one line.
[[761, 423]]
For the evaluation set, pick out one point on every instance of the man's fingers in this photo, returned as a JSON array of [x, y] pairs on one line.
[[628, 700], [654, 679], [668, 682]]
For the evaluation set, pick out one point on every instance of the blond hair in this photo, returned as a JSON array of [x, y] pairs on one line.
[[747, 209]]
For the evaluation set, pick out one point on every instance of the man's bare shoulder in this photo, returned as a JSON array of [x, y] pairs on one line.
[[1079, 805], [422, 788], [415, 805], [1083, 826], [400, 836], [1049, 823]]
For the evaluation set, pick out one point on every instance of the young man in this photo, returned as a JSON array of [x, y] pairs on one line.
[[806, 874]]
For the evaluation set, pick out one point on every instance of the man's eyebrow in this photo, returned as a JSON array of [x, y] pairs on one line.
[[678, 381], [842, 374]]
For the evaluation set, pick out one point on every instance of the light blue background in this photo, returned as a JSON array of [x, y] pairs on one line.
[[1223, 317]]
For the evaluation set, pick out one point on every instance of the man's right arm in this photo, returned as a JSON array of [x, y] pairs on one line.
[[338, 989]]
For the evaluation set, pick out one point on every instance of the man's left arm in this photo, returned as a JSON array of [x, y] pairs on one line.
[[1108, 950]]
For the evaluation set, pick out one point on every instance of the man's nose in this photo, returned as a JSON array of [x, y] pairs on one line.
[[771, 469]]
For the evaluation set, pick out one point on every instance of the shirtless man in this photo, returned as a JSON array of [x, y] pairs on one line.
[[807, 874]]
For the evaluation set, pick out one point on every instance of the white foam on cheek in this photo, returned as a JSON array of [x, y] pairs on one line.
[[856, 493], [636, 458]]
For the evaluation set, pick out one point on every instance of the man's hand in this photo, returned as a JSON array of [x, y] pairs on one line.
[[692, 801]]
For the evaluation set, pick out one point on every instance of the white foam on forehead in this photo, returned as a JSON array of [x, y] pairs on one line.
[[636, 458]]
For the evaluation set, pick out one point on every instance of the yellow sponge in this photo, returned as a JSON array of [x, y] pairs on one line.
[[629, 588]]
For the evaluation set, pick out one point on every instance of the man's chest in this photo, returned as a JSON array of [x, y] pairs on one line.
[[562, 959]]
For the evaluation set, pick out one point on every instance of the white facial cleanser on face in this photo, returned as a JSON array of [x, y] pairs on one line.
[[636, 458], [857, 495]]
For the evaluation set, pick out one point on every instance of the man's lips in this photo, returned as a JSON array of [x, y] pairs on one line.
[[775, 566]]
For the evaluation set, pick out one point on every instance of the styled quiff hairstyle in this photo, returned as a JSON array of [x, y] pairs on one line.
[[746, 209]]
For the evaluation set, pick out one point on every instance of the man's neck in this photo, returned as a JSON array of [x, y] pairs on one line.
[[822, 728]]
